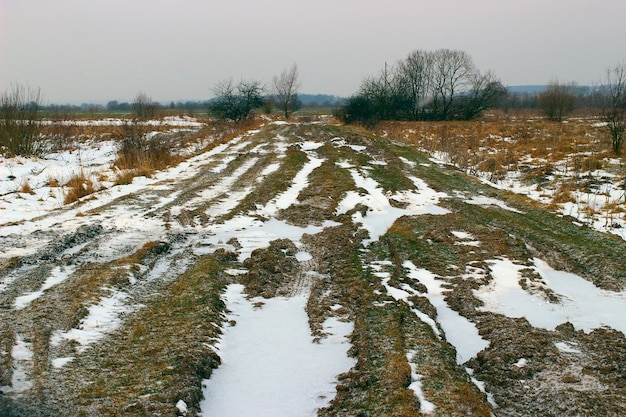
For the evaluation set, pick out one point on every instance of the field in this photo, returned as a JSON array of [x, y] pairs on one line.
[[304, 267]]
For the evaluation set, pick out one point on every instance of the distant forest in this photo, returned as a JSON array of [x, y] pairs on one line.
[[307, 100], [517, 98]]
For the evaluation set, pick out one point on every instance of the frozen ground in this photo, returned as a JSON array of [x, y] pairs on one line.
[[277, 356], [274, 370]]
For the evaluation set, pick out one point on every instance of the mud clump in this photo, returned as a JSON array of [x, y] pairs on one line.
[[271, 270], [552, 373]]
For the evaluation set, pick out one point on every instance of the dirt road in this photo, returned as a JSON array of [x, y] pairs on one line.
[[113, 306]]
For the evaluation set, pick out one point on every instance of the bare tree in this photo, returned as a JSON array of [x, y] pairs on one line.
[[452, 71], [557, 100], [415, 73], [485, 92], [612, 103], [286, 87]]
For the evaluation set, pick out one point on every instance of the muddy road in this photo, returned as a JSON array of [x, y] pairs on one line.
[[114, 305]]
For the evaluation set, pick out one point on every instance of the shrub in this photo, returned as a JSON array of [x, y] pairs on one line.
[[236, 102], [144, 108], [556, 101], [26, 188], [438, 85], [20, 128], [79, 186], [139, 154]]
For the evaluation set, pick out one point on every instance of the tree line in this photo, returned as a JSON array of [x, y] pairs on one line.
[[427, 85]]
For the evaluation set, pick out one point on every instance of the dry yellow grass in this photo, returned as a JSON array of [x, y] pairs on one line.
[[26, 188], [561, 160], [78, 187], [532, 136]]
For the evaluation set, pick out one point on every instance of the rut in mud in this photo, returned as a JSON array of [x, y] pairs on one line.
[[115, 306]]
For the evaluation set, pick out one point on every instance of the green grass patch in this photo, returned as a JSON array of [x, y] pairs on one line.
[[162, 353]]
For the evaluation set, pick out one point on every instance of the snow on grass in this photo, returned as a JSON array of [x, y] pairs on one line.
[[381, 214], [339, 142], [24, 300], [290, 196], [426, 407], [270, 370], [594, 205], [22, 354], [252, 233], [459, 331], [57, 275], [267, 171], [101, 319], [132, 231], [219, 188], [180, 121], [94, 159], [567, 347], [490, 201], [481, 387], [310, 145], [408, 162], [401, 294], [581, 303], [40, 173]]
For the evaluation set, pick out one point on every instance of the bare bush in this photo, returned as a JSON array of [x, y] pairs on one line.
[[236, 101], [144, 108], [557, 101], [78, 187], [141, 154], [20, 127]]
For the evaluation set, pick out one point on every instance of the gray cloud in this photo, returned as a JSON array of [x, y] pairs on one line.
[[102, 50]]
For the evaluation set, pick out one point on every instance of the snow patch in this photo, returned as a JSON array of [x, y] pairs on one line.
[[581, 303], [57, 275], [303, 256], [426, 407], [381, 214], [278, 369], [59, 363], [21, 354], [102, 319], [490, 201], [459, 331]]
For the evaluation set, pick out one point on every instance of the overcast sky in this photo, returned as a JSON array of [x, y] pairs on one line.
[[99, 50]]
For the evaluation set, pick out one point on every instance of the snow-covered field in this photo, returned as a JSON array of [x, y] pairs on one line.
[[271, 362]]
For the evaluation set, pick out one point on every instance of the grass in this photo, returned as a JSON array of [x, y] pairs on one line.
[[26, 188], [79, 186], [552, 156], [161, 354]]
